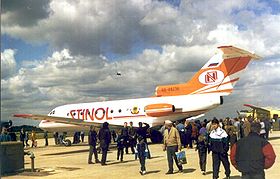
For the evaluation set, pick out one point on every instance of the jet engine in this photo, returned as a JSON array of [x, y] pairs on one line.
[[158, 110]]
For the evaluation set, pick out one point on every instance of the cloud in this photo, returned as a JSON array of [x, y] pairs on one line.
[[24, 13], [81, 34], [8, 63], [97, 27], [65, 78]]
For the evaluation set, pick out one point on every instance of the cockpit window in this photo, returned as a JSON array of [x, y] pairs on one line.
[[52, 112]]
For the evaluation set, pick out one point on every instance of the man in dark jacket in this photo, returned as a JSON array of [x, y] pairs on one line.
[[104, 137], [219, 146], [92, 138], [132, 137], [252, 154], [22, 136], [124, 134], [142, 131]]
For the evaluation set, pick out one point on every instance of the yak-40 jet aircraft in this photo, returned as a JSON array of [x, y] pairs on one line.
[[202, 93]]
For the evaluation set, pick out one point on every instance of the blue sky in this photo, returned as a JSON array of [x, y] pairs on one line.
[[68, 52], [25, 50]]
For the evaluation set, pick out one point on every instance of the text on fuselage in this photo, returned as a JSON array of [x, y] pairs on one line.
[[93, 114]]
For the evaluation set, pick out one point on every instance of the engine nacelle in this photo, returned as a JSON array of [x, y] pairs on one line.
[[160, 109]]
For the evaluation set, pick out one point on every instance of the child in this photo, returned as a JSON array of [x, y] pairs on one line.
[[141, 153], [120, 145], [202, 152]]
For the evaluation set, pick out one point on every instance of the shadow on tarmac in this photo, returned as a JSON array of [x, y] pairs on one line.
[[189, 170], [118, 162], [69, 152], [235, 177], [127, 161], [153, 171], [209, 172]]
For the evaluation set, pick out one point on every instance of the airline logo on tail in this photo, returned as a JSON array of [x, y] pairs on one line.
[[218, 75], [211, 77]]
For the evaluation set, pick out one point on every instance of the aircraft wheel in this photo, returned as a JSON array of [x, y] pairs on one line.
[[67, 143]]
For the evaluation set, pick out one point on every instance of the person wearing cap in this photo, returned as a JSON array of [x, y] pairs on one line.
[[104, 137], [252, 154], [171, 143], [219, 145]]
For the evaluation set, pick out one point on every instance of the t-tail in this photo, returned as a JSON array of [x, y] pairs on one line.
[[218, 75]]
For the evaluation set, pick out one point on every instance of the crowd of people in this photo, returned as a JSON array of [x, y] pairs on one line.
[[215, 136], [127, 137], [246, 139]]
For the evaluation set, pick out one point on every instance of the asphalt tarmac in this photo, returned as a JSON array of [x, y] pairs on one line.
[[53, 162]]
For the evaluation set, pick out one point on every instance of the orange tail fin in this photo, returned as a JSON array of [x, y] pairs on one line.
[[218, 75]]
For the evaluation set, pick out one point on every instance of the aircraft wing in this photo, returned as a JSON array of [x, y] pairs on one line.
[[59, 119], [255, 107]]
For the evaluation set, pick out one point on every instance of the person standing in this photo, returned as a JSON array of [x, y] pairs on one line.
[[33, 139], [195, 132], [219, 146], [132, 137], [142, 149], [171, 143], [181, 128], [124, 134], [188, 134], [231, 132], [246, 127], [262, 131], [267, 127], [26, 138], [142, 131], [55, 137], [82, 136], [252, 154], [104, 137], [92, 139], [202, 148], [120, 146], [46, 138], [237, 127], [22, 136]]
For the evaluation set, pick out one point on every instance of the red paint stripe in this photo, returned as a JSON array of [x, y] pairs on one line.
[[129, 116], [219, 91], [231, 81]]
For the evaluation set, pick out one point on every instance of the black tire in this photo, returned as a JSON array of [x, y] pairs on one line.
[[67, 143], [156, 137]]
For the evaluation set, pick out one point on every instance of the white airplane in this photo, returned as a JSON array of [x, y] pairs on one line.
[[202, 93]]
